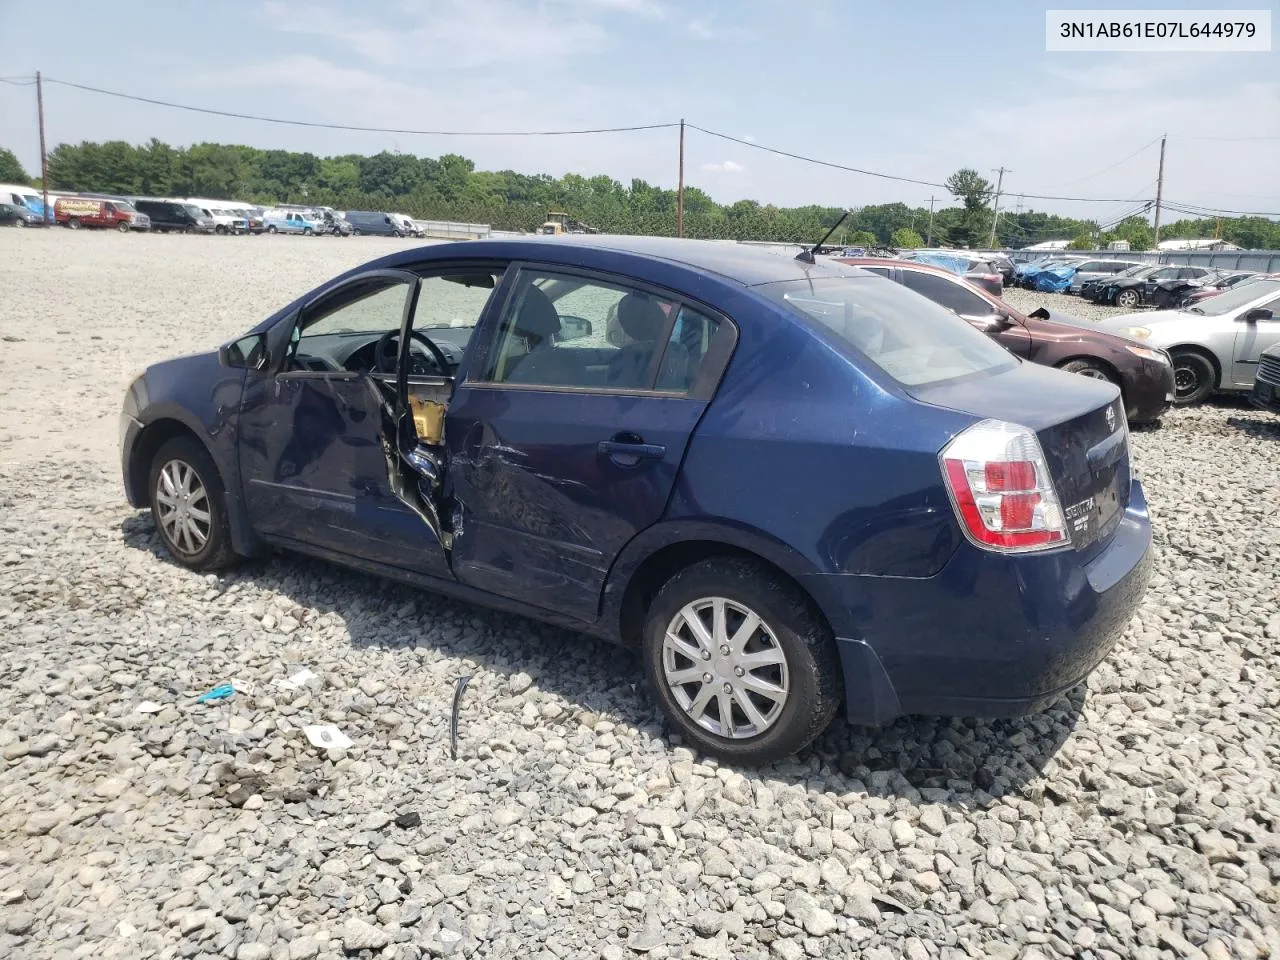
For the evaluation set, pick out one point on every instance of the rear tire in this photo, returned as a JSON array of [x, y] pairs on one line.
[[73, 224], [1092, 369], [188, 504], [1128, 299], [793, 649], [1194, 377]]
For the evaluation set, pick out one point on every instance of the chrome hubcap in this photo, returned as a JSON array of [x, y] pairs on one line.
[[1093, 374], [725, 668], [183, 507]]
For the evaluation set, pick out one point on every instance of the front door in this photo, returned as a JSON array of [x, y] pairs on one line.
[[317, 448], [566, 437], [1252, 337]]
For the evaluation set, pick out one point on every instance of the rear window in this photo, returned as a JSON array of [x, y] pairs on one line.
[[910, 338]]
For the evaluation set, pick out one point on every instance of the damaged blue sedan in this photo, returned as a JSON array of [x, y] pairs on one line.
[[789, 485]]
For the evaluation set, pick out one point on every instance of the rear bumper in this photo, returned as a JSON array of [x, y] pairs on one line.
[[990, 635]]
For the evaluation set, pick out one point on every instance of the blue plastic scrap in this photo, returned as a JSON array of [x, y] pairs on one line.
[[220, 692], [1055, 280]]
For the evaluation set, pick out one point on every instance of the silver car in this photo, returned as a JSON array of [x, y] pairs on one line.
[[1097, 269], [1216, 343]]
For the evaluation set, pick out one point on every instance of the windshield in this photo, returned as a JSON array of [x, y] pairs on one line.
[[1236, 297], [1139, 271], [124, 206], [909, 337]]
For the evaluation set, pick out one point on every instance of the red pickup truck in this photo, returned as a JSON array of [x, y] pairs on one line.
[[77, 212]]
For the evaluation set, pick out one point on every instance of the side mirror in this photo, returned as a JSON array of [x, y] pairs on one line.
[[573, 328], [249, 353], [1256, 314]]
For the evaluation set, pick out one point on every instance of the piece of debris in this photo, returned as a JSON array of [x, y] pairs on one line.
[[453, 726], [295, 680], [220, 692], [148, 706], [327, 736], [409, 820]]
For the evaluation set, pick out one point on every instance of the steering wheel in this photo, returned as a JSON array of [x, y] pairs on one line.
[[384, 357]]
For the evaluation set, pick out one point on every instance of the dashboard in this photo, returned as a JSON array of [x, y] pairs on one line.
[[356, 352]]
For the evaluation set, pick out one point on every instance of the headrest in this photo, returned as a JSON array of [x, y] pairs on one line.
[[537, 316], [641, 318]]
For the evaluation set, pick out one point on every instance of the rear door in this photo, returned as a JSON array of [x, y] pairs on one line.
[[1252, 337], [566, 436]]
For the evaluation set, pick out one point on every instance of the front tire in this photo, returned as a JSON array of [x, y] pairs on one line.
[[1194, 378], [188, 504], [73, 224], [1128, 299], [1092, 369], [740, 662], [271, 229]]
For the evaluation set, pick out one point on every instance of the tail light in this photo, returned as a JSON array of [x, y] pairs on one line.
[[1001, 490]]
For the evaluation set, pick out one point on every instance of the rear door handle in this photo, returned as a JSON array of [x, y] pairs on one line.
[[618, 449]]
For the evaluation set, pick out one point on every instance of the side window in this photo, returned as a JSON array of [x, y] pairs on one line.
[[1091, 266], [334, 335], [947, 294], [565, 331]]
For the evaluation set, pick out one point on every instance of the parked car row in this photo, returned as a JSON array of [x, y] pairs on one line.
[[21, 206]]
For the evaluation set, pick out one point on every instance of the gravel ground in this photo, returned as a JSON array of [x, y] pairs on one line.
[[1139, 817]]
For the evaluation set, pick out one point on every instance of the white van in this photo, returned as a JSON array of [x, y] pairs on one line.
[[24, 196], [407, 226], [223, 214]]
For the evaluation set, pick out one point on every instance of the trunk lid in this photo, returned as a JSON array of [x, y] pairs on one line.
[[1080, 423]]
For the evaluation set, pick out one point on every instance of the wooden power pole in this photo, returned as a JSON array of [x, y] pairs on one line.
[[995, 210], [680, 188], [44, 158], [928, 240], [1160, 187]]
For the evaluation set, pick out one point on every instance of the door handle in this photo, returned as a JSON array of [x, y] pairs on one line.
[[631, 450]]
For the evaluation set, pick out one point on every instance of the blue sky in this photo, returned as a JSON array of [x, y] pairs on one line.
[[916, 89]]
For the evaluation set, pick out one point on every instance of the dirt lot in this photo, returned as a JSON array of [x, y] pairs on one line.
[[1139, 817]]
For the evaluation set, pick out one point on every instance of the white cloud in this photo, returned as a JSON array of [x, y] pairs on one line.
[[641, 8], [701, 28], [727, 167], [452, 34]]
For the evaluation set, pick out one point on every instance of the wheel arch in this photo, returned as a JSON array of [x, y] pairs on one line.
[[1107, 365], [1203, 352], [156, 433], [661, 552]]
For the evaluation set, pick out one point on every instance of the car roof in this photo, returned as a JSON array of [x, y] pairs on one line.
[[919, 265], [743, 264]]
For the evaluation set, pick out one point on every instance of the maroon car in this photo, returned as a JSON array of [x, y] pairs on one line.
[[1143, 374]]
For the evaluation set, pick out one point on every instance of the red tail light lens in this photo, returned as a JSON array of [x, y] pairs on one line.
[[1001, 490]]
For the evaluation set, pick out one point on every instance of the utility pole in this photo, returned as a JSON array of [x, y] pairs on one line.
[[680, 189], [1160, 186], [44, 159], [928, 241], [995, 209]]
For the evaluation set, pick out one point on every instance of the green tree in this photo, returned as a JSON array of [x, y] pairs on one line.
[[1081, 241], [10, 169], [972, 190], [1137, 231], [904, 238], [863, 238]]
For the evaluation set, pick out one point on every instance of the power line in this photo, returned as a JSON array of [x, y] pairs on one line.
[[821, 163], [1114, 165], [1216, 211], [18, 81], [360, 129], [1183, 136]]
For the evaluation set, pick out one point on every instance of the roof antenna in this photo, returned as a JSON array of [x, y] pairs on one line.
[[806, 256]]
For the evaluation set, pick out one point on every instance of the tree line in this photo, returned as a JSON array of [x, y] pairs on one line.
[[449, 187]]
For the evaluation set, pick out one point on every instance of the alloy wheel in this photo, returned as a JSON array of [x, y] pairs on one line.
[[183, 507], [1093, 373], [725, 668]]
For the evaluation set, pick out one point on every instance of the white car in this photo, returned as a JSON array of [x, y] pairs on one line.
[[225, 218], [1216, 343], [407, 226]]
